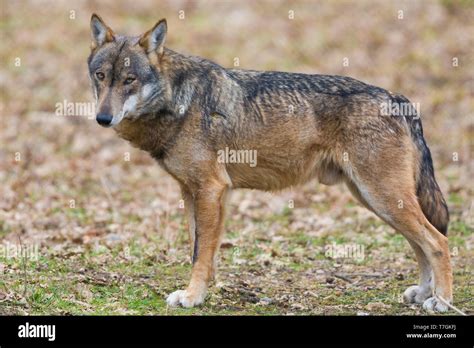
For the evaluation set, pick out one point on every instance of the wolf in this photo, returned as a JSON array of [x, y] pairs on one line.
[[184, 110]]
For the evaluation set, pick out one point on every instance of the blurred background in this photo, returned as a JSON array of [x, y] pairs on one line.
[[88, 199]]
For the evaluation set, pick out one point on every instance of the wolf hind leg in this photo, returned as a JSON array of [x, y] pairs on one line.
[[419, 293], [400, 208], [416, 293]]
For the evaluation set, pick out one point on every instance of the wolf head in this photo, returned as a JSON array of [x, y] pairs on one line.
[[125, 72]]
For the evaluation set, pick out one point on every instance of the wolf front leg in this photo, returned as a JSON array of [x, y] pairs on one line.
[[188, 199], [209, 212]]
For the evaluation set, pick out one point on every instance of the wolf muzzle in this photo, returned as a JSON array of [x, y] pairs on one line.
[[104, 120]]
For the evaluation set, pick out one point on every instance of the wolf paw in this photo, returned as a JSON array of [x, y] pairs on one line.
[[416, 294], [434, 305], [185, 299]]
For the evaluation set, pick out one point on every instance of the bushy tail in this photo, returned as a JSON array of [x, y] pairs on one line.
[[429, 194]]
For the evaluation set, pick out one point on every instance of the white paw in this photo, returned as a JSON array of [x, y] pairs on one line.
[[435, 305], [416, 294], [185, 299]]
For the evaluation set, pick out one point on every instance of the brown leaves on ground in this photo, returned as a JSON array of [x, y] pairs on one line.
[[110, 230]]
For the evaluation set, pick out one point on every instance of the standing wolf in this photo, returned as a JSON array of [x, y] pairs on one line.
[[185, 110]]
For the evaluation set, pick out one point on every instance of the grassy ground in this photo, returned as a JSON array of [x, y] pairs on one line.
[[101, 226], [285, 273]]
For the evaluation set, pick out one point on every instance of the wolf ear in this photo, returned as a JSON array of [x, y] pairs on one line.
[[101, 33], [154, 39]]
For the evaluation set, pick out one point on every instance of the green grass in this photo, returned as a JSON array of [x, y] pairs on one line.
[[131, 279]]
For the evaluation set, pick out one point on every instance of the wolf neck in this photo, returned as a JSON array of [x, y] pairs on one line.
[[197, 90], [195, 81]]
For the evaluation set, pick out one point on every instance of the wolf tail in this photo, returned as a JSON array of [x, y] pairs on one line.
[[428, 192]]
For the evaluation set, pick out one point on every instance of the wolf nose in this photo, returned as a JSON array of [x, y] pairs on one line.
[[104, 119]]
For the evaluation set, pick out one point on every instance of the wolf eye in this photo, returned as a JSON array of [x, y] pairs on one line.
[[100, 75], [128, 80]]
